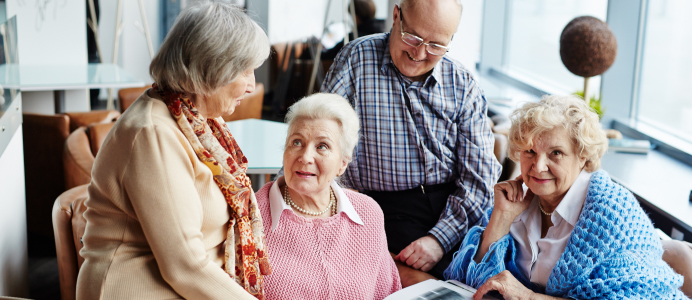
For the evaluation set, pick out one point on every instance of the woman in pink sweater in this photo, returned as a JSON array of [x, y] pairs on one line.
[[324, 242]]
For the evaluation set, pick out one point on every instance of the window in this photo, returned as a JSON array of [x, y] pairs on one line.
[[665, 100], [644, 91], [533, 39]]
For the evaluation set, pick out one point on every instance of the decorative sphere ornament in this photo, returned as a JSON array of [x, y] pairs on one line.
[[587, 46]]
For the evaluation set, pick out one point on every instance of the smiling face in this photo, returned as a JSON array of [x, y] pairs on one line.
[[435, 21], [312, 158], [224, 100], [550, 168]]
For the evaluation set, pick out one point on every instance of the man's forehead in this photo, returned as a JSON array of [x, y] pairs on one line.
[[444, 8], [429, 17]]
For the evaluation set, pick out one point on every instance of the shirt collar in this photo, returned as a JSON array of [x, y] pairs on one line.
[[526, 215], [570, 206], [277, 204], [387, 62]]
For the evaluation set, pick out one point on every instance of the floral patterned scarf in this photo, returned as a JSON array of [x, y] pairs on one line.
[[245, 257]]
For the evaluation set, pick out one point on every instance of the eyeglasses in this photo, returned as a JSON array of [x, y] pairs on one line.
[[415, 41]]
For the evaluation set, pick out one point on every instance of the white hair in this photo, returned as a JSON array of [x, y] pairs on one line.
[[332, 107], [209, 45], [569, 112]]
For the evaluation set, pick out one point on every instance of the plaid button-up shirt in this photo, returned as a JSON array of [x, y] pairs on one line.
[[418, 133]]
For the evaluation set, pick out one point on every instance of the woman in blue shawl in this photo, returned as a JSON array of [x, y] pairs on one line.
[[563, 229]]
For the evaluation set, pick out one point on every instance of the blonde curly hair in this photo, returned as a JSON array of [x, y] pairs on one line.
[[570, 112]]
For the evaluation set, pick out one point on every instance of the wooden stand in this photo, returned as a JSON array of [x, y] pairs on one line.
[[586, 91], [93, 24]]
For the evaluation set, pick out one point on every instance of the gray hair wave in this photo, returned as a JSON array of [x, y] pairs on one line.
[[209, 45], [332, 107]]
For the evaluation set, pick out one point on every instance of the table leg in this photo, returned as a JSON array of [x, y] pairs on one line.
[[59, 101], [257, 180]]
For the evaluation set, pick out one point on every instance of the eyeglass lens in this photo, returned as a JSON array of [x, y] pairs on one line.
[[415, 41]]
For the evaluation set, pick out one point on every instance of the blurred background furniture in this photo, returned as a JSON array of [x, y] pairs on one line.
[[81, 147], [250, 107], [44, 140], [290, 68], [68, 229], [127, 96], [499, 125]]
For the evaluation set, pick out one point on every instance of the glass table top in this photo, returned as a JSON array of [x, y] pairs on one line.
[[262, 142], [66, 77]]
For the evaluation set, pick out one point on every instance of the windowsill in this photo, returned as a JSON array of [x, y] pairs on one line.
[[528, 82], [505, 93], [660, 180], [666, 143], [661, 183]]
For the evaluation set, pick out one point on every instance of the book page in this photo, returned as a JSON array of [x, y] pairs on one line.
[[432, 289]]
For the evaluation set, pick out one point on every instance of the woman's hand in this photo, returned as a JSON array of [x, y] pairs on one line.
[[507, 285], [510, 199], [510, 202]]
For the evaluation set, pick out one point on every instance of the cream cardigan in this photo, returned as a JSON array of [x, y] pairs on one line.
[[156, 221]]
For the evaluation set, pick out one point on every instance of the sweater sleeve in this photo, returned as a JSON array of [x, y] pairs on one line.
[[477, 168], [159, 181], [501, 256], [388, 279]]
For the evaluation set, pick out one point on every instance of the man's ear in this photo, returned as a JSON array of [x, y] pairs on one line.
[[395, 14]]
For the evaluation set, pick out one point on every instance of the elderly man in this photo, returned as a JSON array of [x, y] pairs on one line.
[[426, 150]]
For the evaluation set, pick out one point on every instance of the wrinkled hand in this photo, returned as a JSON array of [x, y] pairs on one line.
[[505, 284], [510, 198], [422, 254]]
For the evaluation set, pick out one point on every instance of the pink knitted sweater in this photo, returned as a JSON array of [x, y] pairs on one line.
[[331, 258]]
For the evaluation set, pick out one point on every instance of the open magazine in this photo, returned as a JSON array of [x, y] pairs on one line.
[[437, 290]]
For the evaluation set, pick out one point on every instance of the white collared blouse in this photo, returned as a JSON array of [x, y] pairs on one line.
[[537, 256]]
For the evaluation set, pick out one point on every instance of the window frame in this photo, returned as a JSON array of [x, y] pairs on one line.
[[619, 85]]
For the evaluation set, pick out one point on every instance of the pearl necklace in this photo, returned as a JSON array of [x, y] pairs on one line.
[[332, 204], [543, 211]]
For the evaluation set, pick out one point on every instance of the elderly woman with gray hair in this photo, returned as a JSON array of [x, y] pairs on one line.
[[571, 232], [171, 213], [324, 242]]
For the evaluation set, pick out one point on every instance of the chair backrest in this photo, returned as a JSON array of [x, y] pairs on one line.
[[501, 147], [68, 229], [97, 134], [81, 148], [279, 50], [250, 107], [44, 137], [44, 141], [79, 119], [129, 95]]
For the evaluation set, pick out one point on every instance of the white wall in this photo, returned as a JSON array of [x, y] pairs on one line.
[[51, 33], [291, 20], [382, 9], [258, 10], [133, 52], [466, 44], [13, 249]]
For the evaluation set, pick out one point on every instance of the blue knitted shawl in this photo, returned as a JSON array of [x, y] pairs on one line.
[[613, 253]]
